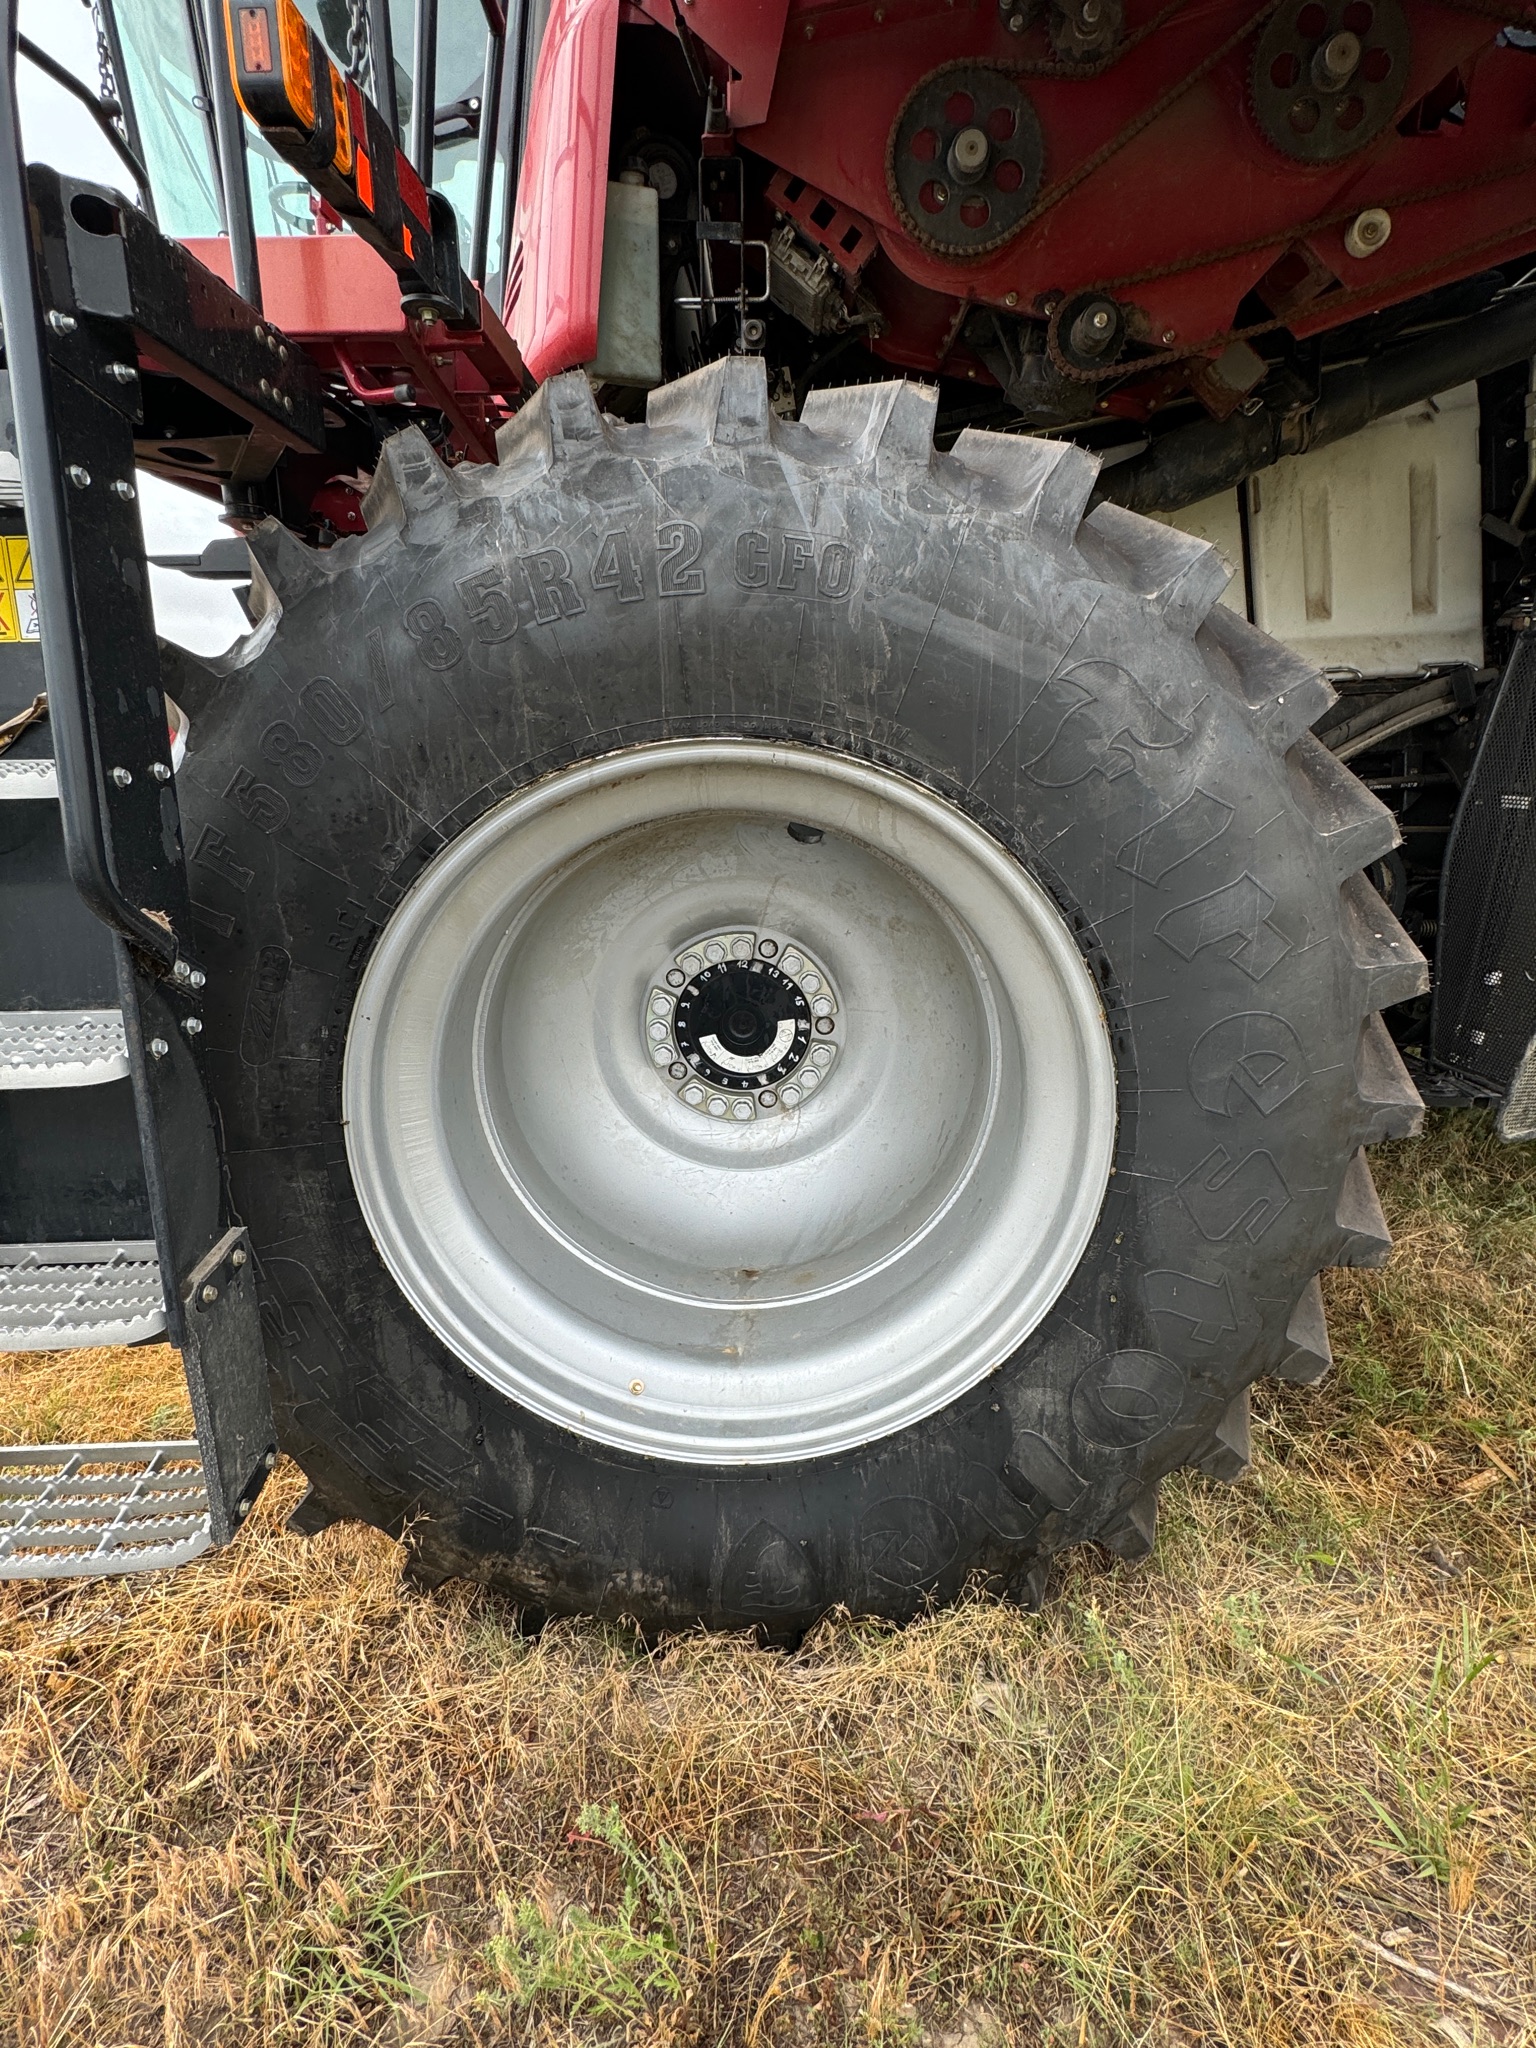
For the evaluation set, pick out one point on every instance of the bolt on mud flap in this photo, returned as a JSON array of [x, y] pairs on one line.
[[208, 1272]]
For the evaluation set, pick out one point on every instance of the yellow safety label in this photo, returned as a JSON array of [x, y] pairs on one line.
[[18, 601]]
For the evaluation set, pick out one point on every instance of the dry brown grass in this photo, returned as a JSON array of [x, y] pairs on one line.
[[279, 1798]]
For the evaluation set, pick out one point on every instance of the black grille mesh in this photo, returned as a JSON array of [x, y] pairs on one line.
[[1484, 1013]]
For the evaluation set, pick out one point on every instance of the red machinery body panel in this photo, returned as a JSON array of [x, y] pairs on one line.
[[557, 242], [339, 299], [1184, 212], [1159, 185]]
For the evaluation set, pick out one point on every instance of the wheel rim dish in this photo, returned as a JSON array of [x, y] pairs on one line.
[[717, 1292]]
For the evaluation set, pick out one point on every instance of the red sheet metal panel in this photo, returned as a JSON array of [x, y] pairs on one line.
[[557, 246]]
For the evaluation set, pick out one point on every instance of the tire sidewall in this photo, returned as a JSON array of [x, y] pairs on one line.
[[1021, 682]]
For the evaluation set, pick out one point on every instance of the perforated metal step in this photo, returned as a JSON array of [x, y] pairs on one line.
[[78, 1511], [60, 1297], [30, 778], [61, 1048]]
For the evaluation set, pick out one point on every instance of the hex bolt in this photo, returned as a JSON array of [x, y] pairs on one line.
[[160, 771], [122, 777], [264, 388], [121, 488], [238, 1256], [192, 1026], [79, 477], [269, 1460], [209, 1295], [63, 323], [242, 1506], [181, 970], [1368, 232], [197, 978], [122, 373], [159, 1047]]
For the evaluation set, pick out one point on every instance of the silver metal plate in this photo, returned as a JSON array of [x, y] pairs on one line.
[[61, 1048], [79, 1511], [62, 1297]]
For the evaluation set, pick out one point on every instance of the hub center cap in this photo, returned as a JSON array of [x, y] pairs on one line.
[[741, 1022]]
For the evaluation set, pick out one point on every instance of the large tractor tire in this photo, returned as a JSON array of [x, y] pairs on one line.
[[794, 1016]]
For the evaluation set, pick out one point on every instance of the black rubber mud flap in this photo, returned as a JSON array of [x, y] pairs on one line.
[[1072, 685]]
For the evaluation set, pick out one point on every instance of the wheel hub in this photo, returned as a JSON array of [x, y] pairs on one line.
[[741, 1022]]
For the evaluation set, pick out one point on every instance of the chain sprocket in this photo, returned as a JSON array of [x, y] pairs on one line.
[[1328, 75], [964, 159]]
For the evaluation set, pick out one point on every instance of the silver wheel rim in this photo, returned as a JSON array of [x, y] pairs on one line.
[[714, 1291]]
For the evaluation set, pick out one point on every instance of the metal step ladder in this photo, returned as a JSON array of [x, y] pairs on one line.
[[61, 1048], [76, 1511]]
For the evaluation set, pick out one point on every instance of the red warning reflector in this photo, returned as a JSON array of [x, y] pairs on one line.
[[255, 39]]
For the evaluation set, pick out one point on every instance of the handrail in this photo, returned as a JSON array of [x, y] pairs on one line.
[[82, 800]]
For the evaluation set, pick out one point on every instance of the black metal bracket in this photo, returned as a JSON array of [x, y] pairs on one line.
[[227, 1379]]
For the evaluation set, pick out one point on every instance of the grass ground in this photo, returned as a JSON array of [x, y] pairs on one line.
[[1273, 1786]]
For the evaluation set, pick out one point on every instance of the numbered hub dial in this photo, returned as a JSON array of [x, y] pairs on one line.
[[742, 1022]]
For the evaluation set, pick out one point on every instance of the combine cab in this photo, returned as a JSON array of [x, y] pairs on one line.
[[761, 985]]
